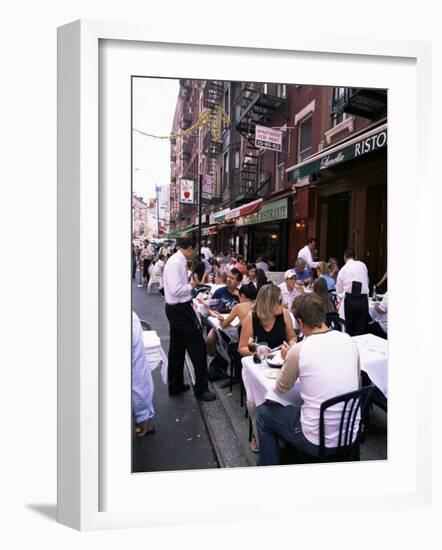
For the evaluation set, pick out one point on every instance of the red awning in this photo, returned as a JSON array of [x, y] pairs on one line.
[[244, 209]]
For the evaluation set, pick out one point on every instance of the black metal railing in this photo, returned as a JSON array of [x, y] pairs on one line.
[[366, 102]]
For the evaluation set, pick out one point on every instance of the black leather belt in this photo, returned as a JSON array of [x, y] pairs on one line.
[[179, 304]]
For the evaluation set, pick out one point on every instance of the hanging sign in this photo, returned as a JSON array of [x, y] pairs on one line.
[[186, 191], [207, 186], [268, 138]]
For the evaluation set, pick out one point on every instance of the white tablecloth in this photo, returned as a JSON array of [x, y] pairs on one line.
[[155, 354], [231, 331], [373, 352], [259, 388], [371, 309], [374, 359]]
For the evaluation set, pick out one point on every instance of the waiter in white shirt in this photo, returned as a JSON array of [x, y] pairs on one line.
[[206, 252], [185, 329], [352, 284], [306, 253]]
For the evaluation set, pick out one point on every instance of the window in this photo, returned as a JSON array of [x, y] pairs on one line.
[[338, 97], [265, 88], [237, 158], [281, 90], [226, 104], [225, 169], [280, 161], [305, 146]]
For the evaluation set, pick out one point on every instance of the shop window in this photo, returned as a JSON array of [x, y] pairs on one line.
[[305, 144]]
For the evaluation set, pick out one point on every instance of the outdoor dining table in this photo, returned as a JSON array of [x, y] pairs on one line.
[[231, 330], [259, 381], [155, 353], [371, 306]]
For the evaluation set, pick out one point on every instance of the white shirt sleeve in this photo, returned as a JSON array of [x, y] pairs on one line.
[[142, 383]]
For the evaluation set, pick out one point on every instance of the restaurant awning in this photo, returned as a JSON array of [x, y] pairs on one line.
[[180, 231], [362, 144], [232, 213]]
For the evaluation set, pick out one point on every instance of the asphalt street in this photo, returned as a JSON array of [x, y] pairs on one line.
[[181, 440]]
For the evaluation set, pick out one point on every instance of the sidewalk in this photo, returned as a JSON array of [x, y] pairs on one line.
[[181, 441]]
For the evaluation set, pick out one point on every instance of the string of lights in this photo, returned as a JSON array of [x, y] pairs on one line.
[[215, 117]]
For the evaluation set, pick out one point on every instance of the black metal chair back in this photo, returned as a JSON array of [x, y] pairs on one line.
[[354, 403], [335, 322]]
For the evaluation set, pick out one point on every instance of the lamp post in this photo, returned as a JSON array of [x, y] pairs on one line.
[[158, 190]]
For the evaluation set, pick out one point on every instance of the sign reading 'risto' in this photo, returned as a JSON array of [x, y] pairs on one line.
[[365, 145], [276, 210]]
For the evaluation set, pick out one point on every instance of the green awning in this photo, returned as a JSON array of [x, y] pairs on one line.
[[366, 143]]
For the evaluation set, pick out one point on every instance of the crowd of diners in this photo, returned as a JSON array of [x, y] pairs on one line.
[[299, 315]]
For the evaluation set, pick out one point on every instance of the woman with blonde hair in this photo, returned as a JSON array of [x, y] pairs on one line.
[[323, 271], [269, 322]]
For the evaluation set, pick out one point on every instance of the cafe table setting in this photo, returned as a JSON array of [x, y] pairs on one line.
[[259, 378]]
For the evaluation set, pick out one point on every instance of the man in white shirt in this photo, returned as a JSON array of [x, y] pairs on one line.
[[306, 254], [352, 285], [185, 329], [206, 252], [262, 264], [288, 289], [326, 363]]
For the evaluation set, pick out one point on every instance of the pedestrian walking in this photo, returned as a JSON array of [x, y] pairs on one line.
[[146, 258], [185, 329]]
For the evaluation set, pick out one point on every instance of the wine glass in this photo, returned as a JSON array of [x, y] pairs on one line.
[[262, 351]]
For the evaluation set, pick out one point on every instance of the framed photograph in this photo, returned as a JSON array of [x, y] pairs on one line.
[[99, 65]]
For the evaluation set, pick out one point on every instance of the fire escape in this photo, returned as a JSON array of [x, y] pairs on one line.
[[212, 145], [257, 104], [369, 103]]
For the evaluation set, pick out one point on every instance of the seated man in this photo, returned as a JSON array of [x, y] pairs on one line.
[[326, 362], [379, 326], [227, 297], [301, 271], [288, 289]]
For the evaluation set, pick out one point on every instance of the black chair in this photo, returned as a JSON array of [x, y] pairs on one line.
[[335, 322], [145, 325], [348, 444], [333, 297]]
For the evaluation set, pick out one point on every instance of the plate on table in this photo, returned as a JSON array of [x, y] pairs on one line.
[[275, 360], [273, 374]]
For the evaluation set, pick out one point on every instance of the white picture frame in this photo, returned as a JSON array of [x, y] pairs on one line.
[[82, 294]]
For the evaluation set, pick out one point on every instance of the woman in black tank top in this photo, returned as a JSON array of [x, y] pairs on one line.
[[267, 322], [275, 336]]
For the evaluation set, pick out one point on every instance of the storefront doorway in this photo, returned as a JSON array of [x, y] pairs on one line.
[[376, 231], [334, 225], [270, 240]]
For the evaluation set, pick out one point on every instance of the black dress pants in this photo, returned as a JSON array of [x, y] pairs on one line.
[[186, 335], [356, 313]]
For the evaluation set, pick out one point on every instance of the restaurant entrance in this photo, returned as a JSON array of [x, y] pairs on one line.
[[376, 231], [270, 240], [334, 225]]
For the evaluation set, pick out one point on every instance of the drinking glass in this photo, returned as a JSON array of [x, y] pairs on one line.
[[262, 351]]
